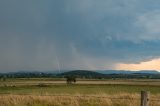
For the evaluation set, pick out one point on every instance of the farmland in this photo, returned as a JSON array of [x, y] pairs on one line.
[[87, 86], [86, 92]]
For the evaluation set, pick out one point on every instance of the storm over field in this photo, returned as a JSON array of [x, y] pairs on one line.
[[79, 34]]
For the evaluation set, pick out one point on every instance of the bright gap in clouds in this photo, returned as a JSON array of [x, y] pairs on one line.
[[148, 65]]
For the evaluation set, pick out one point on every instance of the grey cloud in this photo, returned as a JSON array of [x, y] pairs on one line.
[[83, 34]]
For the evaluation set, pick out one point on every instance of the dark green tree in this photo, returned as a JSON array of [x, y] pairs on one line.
[[71, 79]]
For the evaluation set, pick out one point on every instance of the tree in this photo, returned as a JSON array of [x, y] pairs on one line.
[[70, 79]]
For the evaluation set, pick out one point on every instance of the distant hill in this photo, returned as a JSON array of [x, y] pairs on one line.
[[82, 74], [148, 72], [98, 74], [111, 74], [128, 72]]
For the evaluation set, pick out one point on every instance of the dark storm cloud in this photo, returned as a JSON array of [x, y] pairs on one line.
[[85, 34]]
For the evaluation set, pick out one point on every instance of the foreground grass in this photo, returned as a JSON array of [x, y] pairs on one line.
[[54, 92], [75, 100], [22, 92]]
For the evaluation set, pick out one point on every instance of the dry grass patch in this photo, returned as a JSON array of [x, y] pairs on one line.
[[75, 100]]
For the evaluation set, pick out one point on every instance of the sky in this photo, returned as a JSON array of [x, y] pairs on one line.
[[79, 34]]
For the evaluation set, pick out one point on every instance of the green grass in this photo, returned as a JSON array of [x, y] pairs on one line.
[[30, 86], [78, 89]]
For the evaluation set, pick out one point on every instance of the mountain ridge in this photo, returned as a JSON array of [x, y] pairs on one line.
[[98, 71]]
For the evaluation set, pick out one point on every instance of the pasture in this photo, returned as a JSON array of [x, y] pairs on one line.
[[46, 92]]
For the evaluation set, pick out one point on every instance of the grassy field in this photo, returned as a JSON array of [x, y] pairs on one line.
[[77, 89], [79, 100], [46, 92]]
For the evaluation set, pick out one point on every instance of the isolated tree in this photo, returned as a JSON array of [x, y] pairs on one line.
[[70, 79]]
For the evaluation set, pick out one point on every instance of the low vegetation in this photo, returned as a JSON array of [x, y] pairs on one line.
[[75, 100]]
